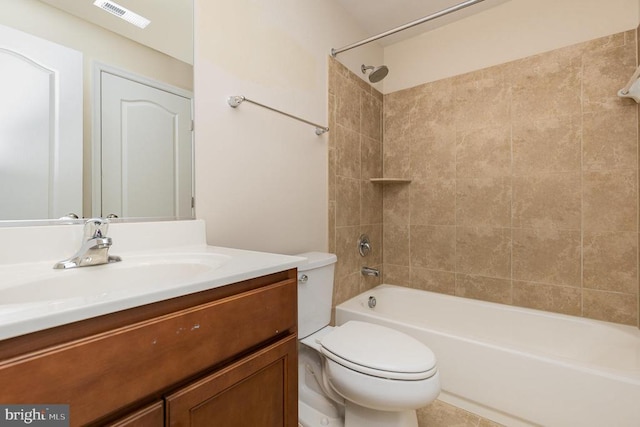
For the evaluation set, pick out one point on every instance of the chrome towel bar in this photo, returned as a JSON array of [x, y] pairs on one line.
[[235, 101]]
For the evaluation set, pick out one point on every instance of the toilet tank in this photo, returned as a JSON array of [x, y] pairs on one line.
[[315, 293]]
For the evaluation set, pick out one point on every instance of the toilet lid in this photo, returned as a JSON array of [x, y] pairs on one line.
[[378, 348]]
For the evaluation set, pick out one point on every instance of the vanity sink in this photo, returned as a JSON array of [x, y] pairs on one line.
[[160, 261], [137, 274]]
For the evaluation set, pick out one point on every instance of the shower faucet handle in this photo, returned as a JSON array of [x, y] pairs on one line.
[[364, 245]]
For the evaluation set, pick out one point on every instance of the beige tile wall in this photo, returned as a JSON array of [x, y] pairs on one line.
[[355, 156], [524, 183]]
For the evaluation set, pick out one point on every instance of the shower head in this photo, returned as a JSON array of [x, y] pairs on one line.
[[377, 73]]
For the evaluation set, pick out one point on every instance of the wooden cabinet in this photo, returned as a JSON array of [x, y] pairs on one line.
[[231, 351], [250, 392]]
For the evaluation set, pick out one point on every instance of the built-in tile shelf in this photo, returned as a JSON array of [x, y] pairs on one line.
[[385, 181]]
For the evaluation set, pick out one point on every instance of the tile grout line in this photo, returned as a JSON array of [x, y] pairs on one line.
[[582, 184]]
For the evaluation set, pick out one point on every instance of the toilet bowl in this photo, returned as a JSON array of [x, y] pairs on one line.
[[357, 374], [379, 368]]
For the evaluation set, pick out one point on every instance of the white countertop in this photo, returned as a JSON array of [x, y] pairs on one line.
[[34, 296]]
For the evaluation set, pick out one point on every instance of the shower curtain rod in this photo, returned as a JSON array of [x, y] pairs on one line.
[[433, 16], [236, 100]]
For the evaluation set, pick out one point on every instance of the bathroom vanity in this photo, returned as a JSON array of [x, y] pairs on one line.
[[221, 352]]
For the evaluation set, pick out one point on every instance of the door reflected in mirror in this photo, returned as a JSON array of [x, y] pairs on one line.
[[145, 150], [52, 142]]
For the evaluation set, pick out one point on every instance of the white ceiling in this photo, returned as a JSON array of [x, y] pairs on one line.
[[170, 31], [378, 16], [171, 28]]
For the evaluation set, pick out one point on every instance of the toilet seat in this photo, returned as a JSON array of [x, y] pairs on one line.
[[378, 351]]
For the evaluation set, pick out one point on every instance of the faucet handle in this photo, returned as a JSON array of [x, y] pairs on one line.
[[364, 245], [95, 228]]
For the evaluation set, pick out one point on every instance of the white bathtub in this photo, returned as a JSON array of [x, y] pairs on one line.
[[517, 366]]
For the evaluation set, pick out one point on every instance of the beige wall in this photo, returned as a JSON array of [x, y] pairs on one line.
[[261, 178], [525, 183], [524, 174], [355, 156], [513, 30], [602, 281]]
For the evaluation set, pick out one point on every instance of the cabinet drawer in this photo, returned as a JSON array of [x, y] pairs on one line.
[[100, 374]]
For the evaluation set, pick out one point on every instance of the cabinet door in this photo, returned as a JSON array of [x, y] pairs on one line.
[[260, 390]]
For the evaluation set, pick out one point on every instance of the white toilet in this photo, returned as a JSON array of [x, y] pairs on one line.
[[357, 374]]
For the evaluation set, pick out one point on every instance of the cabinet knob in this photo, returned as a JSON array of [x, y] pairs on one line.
[[303, 279]]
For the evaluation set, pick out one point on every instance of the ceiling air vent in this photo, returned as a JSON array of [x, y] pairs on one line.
[[122, 12]]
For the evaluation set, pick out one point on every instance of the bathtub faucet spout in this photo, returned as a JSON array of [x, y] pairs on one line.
[[368, 271]]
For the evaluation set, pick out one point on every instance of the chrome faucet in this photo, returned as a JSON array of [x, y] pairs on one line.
[[368, 271], [94, 249]]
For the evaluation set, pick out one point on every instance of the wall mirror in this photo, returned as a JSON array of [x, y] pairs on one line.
[[92, 108]]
